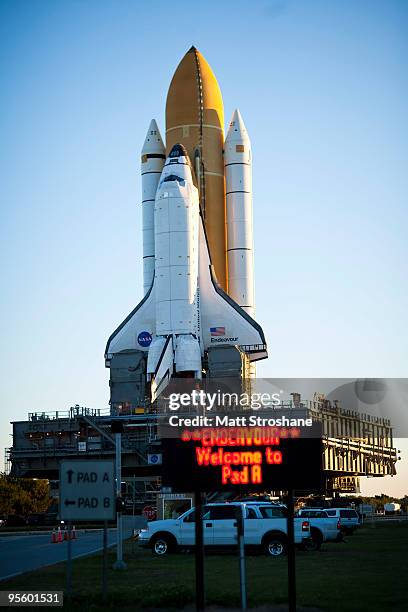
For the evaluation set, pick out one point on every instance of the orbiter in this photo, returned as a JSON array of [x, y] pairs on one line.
[[197, 235]]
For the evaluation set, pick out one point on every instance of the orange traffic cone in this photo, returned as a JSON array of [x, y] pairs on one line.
[[73, 533], [66, 537], [54, 537], [59, 535]]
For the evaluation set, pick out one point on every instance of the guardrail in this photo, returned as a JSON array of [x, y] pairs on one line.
[[381, 518], [74, 411]]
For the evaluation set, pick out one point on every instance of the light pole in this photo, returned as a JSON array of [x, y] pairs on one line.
[[117, 429]]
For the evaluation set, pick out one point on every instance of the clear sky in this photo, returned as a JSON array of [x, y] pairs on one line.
[[322, 87]]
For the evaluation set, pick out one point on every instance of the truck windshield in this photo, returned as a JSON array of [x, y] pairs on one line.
[[189, 517]]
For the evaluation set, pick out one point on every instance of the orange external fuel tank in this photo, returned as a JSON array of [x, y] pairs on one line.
[[195, 118]]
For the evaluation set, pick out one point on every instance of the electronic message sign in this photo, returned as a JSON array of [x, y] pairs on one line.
[[242, 459]]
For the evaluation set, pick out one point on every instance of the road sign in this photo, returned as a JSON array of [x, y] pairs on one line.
[[87, 490], [150, 513], [154, 458]]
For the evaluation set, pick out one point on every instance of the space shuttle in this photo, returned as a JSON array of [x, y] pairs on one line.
[[197, 236]]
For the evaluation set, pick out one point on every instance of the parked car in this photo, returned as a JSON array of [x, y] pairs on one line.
[[35, 519], [265, 526], [392, 508], [16, 520], [323, 528], [349, 519]]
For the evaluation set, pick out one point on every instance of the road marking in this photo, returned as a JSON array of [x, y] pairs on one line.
[[12, 575]]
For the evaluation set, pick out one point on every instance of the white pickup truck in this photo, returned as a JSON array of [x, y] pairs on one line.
[[323, 528], [265, 526], [347, 519]]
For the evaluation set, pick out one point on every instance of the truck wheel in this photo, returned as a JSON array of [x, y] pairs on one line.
[[315, 542], [162, 545], [274, 546]]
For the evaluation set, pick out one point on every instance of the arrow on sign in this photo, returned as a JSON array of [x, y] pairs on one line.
[[69, 473], [70, 502]]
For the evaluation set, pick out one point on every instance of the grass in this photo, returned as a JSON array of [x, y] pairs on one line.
[[368, 573]]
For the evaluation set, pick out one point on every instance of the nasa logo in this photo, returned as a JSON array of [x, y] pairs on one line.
[[144, 339]]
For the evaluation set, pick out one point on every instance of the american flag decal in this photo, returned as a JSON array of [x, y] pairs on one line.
[[217, 331]]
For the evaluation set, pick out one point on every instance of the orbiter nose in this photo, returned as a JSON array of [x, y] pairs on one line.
[[178, 151]]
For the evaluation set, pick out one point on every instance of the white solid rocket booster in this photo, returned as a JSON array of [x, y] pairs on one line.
[[238, 177], [153, 158]]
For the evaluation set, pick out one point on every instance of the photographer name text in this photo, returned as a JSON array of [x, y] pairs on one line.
[[237, 421]]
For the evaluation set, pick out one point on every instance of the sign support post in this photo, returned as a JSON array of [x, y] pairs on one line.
[[241, 548], [105, 561], [69, 562], [199, 552], [291, 553]]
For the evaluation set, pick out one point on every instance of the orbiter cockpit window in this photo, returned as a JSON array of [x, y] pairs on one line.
[[173, 177]]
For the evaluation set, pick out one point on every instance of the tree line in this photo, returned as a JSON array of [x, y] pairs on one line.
[[23, 496]]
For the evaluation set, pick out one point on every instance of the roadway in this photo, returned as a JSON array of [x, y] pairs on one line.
[[24, 553]]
